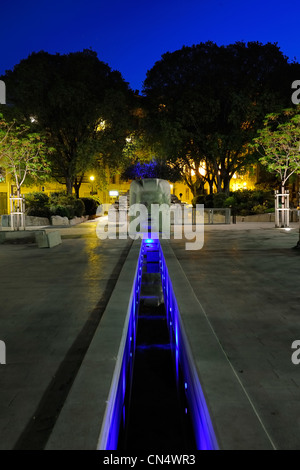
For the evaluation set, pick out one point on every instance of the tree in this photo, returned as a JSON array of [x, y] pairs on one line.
[[23, 154], [206, 102], [80, 103], [153, 169], [279, 143]]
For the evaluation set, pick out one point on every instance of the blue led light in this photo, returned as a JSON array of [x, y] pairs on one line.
[[197, 408]]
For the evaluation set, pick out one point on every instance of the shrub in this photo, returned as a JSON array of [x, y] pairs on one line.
[[243, 201], [230, 202], [206, 199], [210, 200], [259, 209], [40, 205], [37, 205], [39, 212], [38, 199], [90, 205], [70, 211], [66, 204], [79, 208], [247, 202], [219, 199], [62, 199], [62, 211]]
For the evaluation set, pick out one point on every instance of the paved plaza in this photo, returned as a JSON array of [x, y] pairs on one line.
[[52, 301], [246, 279]]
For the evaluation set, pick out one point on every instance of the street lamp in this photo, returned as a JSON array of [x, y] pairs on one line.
[[92, 179]]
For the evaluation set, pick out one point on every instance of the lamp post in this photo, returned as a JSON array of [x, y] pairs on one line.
[[92, 179]]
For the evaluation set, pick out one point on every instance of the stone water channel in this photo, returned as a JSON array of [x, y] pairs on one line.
[[158, 403]]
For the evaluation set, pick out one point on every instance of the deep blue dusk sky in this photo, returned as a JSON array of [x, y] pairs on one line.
[[132, 35]]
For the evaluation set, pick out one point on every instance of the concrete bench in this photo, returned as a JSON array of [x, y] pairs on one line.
[[41, 237], [21, 236], [48, 239]]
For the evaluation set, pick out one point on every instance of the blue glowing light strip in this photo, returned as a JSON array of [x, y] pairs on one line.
[[203, 429], [115, 408]]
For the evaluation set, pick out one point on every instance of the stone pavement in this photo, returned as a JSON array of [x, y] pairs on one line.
[[51, 303], [246, 278]]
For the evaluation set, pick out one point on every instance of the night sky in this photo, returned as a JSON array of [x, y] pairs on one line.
[[132, 35]]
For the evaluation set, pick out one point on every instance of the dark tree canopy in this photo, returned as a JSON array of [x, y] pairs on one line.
[[206, 102], [82, 105], [152, 169]]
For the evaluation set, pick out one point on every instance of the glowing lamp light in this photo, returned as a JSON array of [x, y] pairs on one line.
[[92, 178], [101, 126], [202, 171]]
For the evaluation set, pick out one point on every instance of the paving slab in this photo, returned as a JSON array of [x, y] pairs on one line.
[[80, 421], [51, 304], [246, 279]]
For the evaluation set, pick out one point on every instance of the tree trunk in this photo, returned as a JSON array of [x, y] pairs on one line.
[[226, 184], [76, 189], [197, 188], [77, 184], [69, 185], [218, 182]]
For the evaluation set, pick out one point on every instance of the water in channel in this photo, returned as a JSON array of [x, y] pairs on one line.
[[157, 415]]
